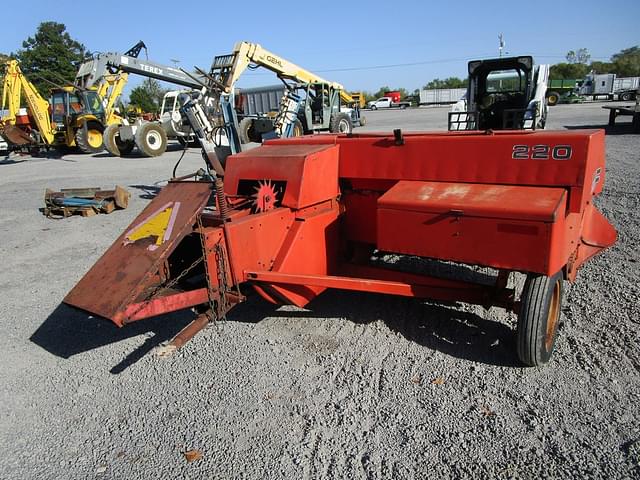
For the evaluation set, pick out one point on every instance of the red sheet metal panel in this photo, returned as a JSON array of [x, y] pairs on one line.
[[310, 171], [475, 199], [505, 157], [130, 268], [473, 225]]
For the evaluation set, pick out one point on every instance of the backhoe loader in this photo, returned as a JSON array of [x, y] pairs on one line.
[[74, 117]]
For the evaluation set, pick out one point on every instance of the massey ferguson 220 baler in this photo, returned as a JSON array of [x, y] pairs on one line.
[[295, 217]]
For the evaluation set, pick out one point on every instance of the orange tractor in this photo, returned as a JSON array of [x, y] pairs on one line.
[[297, 216]]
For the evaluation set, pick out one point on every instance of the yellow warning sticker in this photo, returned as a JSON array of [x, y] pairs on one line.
[[159, 225]]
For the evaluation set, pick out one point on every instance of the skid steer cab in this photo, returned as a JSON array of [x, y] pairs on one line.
[[297, 216], [503, 94], [78, 118]]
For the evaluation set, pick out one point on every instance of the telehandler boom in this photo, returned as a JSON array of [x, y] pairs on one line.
[[109, 72], [319, 110]]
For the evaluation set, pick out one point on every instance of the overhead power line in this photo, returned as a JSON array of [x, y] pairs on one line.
[[422, 62]]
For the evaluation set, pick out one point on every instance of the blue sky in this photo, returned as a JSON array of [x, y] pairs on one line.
[[363, 45]]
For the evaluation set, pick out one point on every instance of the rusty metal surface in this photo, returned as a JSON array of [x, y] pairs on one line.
[[15, 135], [477, 200], [128, 269]]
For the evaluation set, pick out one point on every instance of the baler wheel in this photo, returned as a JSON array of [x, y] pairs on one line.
[[539, 318]]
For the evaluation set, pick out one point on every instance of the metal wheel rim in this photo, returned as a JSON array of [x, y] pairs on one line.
[[343, 126], [552, 316], [94, 138], [153, 140]]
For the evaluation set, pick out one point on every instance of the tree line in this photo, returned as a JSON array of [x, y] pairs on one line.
[[51, 57]]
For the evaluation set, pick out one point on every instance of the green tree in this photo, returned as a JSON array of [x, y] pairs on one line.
[[147, 96], [601, 67], [568, 70], [3, 60], [626, 63], [451, 82], [51, 56], [381, 92], [581, 56]]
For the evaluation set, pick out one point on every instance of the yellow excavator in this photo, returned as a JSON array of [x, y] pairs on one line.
[[72, 118]]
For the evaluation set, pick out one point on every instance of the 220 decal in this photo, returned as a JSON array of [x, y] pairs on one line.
[[541, 152]]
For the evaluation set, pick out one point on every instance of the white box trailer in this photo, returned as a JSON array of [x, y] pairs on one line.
[[441, 96]]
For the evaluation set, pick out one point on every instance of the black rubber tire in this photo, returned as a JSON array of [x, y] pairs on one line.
[[625, 97], [553, 98], [151, 139], [298, 129], [113, 144], [244, 127], [373, 107], [363, 121], [539, 317], [402, 107], [635, 123], [341, 123], [89, 139]]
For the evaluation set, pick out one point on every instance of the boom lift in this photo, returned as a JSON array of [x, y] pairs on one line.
[[503, 94], [113, 68], [75, 117]]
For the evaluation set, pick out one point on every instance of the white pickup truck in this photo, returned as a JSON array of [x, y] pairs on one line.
[[387, 102]]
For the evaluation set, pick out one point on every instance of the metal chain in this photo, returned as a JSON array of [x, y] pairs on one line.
[[169, 284], [206, 268], [222, 280]]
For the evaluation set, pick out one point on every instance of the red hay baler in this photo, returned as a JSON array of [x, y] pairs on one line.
[[297, 216]]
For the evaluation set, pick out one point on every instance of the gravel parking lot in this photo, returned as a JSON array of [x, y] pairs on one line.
[[356, 386]]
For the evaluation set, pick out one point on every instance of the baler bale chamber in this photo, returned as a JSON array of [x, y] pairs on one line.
[[297, 216]]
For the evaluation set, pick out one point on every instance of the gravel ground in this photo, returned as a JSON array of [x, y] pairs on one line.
[[357, 386]]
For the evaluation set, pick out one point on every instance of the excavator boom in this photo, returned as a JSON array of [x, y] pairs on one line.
[[16, 85]]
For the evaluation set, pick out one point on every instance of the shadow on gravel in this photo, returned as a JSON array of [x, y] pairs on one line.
[[135, 154], [68, 331], [439, 327], [21, 158], [148, 192], [13, 161], [617, 129]]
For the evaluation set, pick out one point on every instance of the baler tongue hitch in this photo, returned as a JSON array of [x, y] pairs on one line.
[[297, 216]]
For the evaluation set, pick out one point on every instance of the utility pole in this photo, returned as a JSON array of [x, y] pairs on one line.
[[501, 47]]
